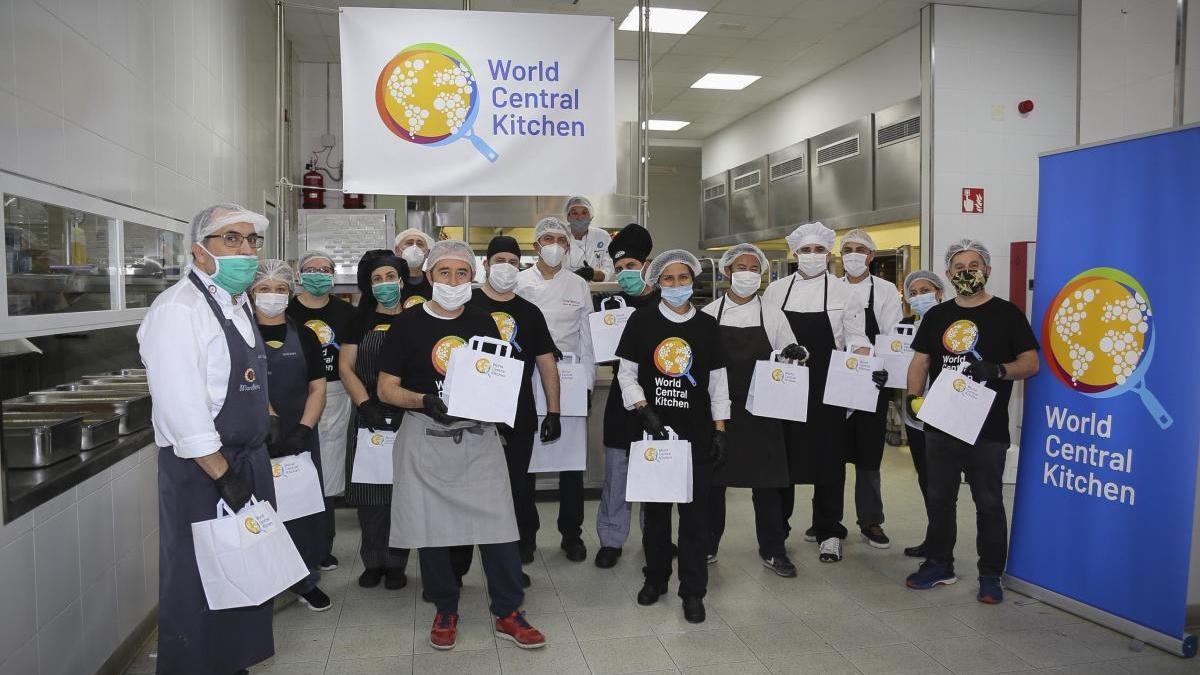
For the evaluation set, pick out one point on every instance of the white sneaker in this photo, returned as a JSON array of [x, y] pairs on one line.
[[831, 550]]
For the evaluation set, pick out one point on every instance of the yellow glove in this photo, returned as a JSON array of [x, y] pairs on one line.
[[914, 403]]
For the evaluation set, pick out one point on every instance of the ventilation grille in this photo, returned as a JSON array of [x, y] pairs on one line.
[[714, 192], [787, 168], [835, 152], [899, 131], [747, 180]]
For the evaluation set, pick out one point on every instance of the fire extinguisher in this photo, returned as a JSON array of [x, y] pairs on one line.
[[352, 200], [313, 198]]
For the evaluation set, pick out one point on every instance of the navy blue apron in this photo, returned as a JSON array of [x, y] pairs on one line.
[[812, 447], [865, 430], [192, 639]]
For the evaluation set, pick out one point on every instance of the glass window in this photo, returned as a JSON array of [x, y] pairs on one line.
[[153, 259], [56, 258]]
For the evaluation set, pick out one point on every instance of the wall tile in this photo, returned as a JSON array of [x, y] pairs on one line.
[[56, 546], [163, 47], [150, 558], [127, 518], [85, 154], [40, 143], [60, 649], [14, 530], [1149, 105], [148, 495], [139, 31], [38, 42], [97, 544], [100, 636], [94, 483], [131, 592], [56, 505], [112, 30], [17, 597], [82, 16], [953, 67]]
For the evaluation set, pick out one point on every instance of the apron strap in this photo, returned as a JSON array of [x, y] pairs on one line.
[[789, 293], [824, 301], [456, 434], [721, 309]]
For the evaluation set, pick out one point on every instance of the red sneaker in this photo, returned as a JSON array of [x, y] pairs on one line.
[[444, 633], [514, 627]]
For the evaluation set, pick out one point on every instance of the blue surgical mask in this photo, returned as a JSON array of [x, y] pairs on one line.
[[631, 281], [921, 303], [387, 293], [676, 296]]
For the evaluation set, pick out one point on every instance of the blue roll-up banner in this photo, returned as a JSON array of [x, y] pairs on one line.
[[1103, 514]]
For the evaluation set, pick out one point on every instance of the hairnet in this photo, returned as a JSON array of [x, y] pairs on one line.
[[675, 255], [410, 232], [858, 236], [739, 250], [811, 233], [551, 224], [578, 201], [314, 255], [217, 216], [968, 245], [272, 269], [449, 248], [922, 274]]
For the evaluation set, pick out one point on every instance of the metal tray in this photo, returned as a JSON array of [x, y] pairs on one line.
[[134, 411], [98, 428], [123, 372], [122, 386], [30, 445], [114, 379]]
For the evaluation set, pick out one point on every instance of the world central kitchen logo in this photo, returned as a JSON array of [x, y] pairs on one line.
[[428, 94]]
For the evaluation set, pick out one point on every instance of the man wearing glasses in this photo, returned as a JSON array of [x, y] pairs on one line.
[[207, 371]]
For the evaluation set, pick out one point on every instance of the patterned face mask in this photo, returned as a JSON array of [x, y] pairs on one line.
[[968, 282]]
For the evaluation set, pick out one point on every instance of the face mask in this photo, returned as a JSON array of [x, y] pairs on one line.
[[921, 303], [502, 277], [235, 273], [316, 283], [855, 264], [744, 284], [675, 296], [387, 293], [552, 255], [968, 282], [414, 256], [451, 297], [271, 304], [631, 282], [580, 225], [811, 264]]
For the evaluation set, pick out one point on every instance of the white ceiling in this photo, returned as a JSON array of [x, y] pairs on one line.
[[788, 42]]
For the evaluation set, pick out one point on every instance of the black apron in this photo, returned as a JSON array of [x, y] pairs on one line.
[[757, 458], [288, 378], [864, 430], [366, 367], [191, 637], [813, 449]]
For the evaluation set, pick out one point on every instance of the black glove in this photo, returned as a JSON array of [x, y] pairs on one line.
[[435, 407], [274, 431], [370, 416], [558, 355], [551, 428], [913, 403], [589, 401], [719, 450], [795, 352], [233, 489], [585, 273], [879, 377], [983, 371], [297, 440], [651, 423]]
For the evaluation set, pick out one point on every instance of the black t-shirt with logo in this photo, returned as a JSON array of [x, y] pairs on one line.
[[418, 345], [996, 331], [275, 336], [412, 295], [329, 324], [522, 324], [621, 426]]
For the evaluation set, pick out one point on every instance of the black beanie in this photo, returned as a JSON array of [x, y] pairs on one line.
[[502, 244], [633, 241]]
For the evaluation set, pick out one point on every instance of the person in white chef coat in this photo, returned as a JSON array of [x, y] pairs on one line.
[[588, 256], [865, 430], [565, 301], [412, 245]]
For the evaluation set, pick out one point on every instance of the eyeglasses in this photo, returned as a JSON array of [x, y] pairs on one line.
[[235, 239], [317, 270]]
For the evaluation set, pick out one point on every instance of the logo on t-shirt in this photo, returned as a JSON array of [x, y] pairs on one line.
[[506, 324], [274, 344], [412, 301], [440, 356], [960, 337], [382, 326], [324, 333], [673, 357]]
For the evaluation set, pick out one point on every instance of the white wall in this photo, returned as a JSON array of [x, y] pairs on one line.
[[309, 112], [888, 74], [674, 220]]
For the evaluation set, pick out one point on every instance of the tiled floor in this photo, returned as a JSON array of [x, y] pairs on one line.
[[853, 617]]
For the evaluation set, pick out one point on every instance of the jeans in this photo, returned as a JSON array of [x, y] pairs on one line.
[[768, 525], [441, 566], [983, 463]]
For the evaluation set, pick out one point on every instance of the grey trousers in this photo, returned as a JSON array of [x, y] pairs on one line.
[[612, 516], [868, 499]]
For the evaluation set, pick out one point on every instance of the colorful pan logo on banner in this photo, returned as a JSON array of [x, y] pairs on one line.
[[427, 94], [1100, 330], [673, 357]]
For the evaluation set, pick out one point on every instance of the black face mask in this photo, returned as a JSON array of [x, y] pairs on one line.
[[968, 282]]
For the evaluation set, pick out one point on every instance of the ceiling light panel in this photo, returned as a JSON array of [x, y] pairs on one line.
[[725, 81], [665, 20], [667, 125]]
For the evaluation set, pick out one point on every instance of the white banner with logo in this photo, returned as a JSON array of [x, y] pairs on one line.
[[442, 102]]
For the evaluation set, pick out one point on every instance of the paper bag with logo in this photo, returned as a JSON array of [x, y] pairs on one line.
[[373, 457], [481, 385], [849, 384], [895, 353], [568, 453], [660, 471], [245, 559], [957, 405], [572, 388], [607, 326], [297, 486], [779, 390]]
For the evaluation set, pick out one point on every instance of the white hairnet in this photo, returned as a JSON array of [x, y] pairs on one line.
[[811, 233], [675, 255], [739, 250], [272, 269], [449, 248], [578, 201], [968, 245], [551, 224], [410, 232], [217, 216], [922, 274], [858, 236], [314, 255]]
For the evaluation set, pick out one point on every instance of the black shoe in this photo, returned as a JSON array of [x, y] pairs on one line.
[[370, 577], [650, 593], [396, 579], [780, 565], [526, 582], [329, 564], [526, 552], [576, 551], [316, 600], [693, 609], [917, 551], [810, 535], [425, 597], [876, 537], [607, 556]]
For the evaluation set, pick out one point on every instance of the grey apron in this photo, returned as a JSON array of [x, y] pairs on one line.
[[451, 485], [192, 639]]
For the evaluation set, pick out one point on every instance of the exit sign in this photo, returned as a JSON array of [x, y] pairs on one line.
[[972, 200]]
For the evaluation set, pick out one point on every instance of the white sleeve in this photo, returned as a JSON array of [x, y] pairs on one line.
[[888, 309], [627, 379], [177, 374], [718, 394], [781, 335], [587, 353], [854, 326]]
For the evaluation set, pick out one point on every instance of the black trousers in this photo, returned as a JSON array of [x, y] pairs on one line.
[[916, 447], [501, 565], [376, 524], [768, 521], [518, 448], [827, 506], [983, 464], [693, 538]]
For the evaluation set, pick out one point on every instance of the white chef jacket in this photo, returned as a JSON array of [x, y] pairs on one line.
[[187, 362], [846, 315], [888, 311], [718, 379], [592, 249], [779, 331], [566, 302]]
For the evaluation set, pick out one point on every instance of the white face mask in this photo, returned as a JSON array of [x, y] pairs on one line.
[[271, 304], [811, 264], [855, 264], [502, 277], [552, 255], [414, 256], [451, 297], [744, 284]]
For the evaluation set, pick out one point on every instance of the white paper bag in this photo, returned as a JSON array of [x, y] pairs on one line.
[[849, 384], [957, 405], [297, 486], [895, 353], [568, 453], [373, 457], [660, 471], [778, 390], [606, 327], [485, 385], [245, 559], [572, 387]]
